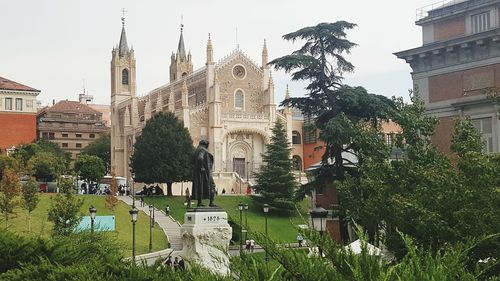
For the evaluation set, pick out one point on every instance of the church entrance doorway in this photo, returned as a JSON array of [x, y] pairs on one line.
[[239, 166]]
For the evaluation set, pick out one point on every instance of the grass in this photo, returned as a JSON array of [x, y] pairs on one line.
[[280, 228], [40, 226]]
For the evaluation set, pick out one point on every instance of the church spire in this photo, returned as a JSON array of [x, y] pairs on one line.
[[210, 51], [181, 50], [123, 46], [264, 55]]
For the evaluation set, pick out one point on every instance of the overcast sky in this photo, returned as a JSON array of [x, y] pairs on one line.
[[54, 45]]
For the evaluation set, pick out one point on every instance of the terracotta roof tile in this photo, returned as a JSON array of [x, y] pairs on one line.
[[6, 84], [71, 106]]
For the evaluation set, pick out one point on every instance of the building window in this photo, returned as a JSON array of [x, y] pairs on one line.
[[485, 127], [64, 135], [389, 138], [92, 136], [238, 99], [45, 136], [19, 104], [51, 136], [8, 103], [125, 76], [64, 144], [78, 145], [480, 22], [296, 137], [297, 163], [78, 135]]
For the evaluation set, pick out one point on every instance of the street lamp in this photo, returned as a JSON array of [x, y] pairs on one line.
[[266, 210], [318, 220], [150, 228], [167, 210], [240, 207], [133, 189], [133, 213], [92, 211], [246, 221]]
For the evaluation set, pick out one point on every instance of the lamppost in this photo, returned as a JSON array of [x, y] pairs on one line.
[[92, 211], [240, 207], [246, 221], [266, 210], [318, 220], [167, 210], [133, 190], [133, 213], [153, 224], [150, 228]]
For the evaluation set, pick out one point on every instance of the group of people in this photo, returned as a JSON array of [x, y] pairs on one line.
[[249, 245], [177, 264], [151, 190]]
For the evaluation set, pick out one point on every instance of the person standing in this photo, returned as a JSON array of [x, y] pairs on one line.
[[142, 200], [182, 265], [299, 240], [168, 261], [176, 263]]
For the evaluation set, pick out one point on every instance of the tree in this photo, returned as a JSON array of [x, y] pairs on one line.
[[424, 195], [8, 162], [45, 166], [10, 188], [24, 153], [275, 180], [65, 208], [91, 168], [102, 149], [162, 153], [337, 109], [30, 198]]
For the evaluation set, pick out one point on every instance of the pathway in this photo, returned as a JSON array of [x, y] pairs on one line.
[[170, 227]]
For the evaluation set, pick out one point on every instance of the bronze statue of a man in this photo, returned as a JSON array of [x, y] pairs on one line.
[[203, 183]]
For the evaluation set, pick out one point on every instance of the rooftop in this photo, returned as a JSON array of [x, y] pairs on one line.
[[71, 106], [445, 8], [6, 84]]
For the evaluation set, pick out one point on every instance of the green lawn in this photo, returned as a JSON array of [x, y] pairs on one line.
[[280, 228], [42, 227]]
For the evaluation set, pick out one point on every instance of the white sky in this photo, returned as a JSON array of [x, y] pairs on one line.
[[53, 45]]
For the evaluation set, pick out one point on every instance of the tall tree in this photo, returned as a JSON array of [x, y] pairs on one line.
[[101, 148], [8, 162], [45, 166], [10, 189], [162, 153], [336, 108], [30, 198], [275, 180], [64, 210], [90, 168]]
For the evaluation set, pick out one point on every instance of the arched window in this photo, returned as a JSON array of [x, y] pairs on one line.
[[296, 137], [238, 99], [296, 163], [125, 76]]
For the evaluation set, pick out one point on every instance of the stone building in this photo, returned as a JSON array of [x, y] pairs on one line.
[[18, 108], [70, 124], [229, 102], [458, 62]]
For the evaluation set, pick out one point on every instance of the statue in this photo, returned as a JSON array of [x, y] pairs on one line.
[[203, 182]]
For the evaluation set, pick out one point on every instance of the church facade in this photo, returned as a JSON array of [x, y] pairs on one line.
[[229, 102]]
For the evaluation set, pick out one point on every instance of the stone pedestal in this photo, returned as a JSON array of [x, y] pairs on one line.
[[205, 237]]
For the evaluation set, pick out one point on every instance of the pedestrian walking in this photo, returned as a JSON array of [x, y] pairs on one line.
[[182, 265], [142, 200]]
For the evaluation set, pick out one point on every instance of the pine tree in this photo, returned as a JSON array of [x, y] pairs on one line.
[[275, 180]]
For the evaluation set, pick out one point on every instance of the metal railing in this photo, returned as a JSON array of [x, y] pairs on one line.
[[447, 7]]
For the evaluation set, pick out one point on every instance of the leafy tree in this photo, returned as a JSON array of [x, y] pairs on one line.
[[65, 208], [163, 152], [10, 189], [8, 162], [336, 108], [102, 149], [275, 180], [424, 195], [30, 198], [45, 166], [90, 167], [24, 153]]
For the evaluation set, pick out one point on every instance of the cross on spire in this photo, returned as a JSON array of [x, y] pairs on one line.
[[182, 23], [123, 15]]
